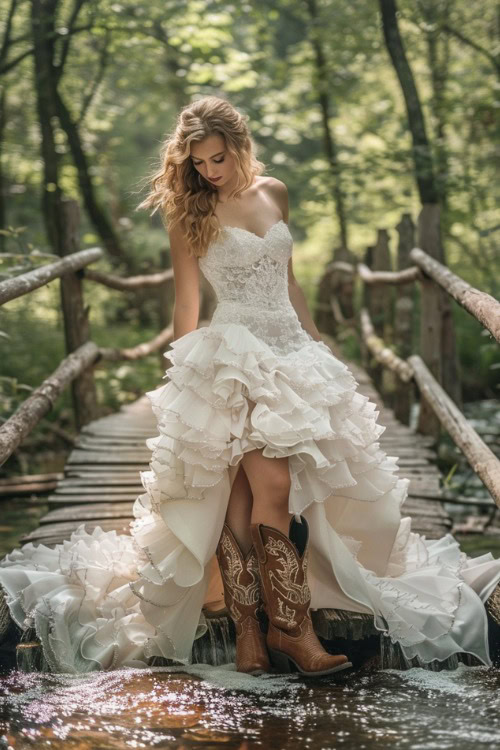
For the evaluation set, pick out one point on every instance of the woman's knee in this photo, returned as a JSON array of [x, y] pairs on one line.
[[278, 484], [240, 487], [269, 479]]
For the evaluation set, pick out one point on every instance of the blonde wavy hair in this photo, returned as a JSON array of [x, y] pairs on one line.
[[179, 191]]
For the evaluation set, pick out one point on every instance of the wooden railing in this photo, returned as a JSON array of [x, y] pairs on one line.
[[77, 368], [380, 329]]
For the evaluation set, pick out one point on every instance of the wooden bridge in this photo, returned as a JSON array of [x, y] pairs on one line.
[[101, 476]]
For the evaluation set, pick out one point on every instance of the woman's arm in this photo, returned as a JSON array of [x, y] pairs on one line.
[[297, 297], [298, 300], [186, 283]]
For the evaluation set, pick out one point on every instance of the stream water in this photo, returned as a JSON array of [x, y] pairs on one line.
[[206, 707]]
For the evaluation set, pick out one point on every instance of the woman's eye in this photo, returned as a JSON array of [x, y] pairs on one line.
[[199, 163]]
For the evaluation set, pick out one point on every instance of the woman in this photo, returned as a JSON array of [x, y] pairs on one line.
[[266, 457]]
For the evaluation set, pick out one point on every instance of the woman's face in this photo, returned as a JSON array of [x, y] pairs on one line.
[[211, 159]]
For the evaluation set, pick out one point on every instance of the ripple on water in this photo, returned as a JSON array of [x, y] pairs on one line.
[[204, 706]]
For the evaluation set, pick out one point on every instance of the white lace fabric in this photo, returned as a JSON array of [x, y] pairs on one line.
[[250, 280], [253, 378]]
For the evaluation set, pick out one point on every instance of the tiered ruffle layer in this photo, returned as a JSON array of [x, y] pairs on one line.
[[104, 600]]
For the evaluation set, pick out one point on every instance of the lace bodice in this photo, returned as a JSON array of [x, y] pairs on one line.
[[249, 275]]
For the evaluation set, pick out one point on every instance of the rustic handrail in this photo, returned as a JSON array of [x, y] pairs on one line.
[[141, 350], [481, 305], [144, 349], [132, 282], [405, 276], [77, 365], [380, 351], [30, 412], [480, 457], [27, 282], [366, 274]]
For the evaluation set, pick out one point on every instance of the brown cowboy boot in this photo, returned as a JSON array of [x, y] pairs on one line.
[[291, 639], [242, 595]]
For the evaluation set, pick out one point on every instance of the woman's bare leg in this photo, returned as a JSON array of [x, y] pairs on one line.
[[239, 510], [269, 480]]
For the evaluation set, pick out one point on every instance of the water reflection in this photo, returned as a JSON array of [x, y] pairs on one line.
[[209, 707]]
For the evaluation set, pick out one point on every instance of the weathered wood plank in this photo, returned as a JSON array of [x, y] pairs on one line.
[[108, 457], [127, 470], [115, 449], [88, 512], [64, 530], [123, 442], [99, 497], [119, 480], [64, 491]]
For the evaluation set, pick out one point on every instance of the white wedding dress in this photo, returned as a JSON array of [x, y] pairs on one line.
[[253, 378]]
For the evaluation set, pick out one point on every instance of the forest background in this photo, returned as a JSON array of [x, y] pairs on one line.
[[124, 69]]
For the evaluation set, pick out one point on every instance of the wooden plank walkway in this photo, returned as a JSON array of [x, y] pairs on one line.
[[101, 477]]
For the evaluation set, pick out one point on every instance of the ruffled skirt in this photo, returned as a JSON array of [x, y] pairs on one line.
[[105, 600]]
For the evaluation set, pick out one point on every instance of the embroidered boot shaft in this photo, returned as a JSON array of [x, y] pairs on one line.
[[242, 595], [291, 639]]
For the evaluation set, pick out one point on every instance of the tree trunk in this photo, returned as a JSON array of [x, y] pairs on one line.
[[436, 19], [3, 213], [330, 145], [43, 14], [97, 216], [447, 372], [7, 23], [422, 155]]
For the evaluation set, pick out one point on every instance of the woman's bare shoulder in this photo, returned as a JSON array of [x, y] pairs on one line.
[[272, 184], [278, 192]]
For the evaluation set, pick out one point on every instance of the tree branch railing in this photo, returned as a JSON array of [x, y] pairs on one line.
[[484, 307], [30, 412], [481, 305], [77, 367], [130, 283], [480, 457], [27, 282], [412, 368]]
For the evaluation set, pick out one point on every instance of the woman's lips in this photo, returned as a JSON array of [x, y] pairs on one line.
[[215, 179]]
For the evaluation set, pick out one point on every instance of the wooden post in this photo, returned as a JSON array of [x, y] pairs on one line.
[[437, 333], [404, 317], [379, 300], [338, 284], [75, 315]]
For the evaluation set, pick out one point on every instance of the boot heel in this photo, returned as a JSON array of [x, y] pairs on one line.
[[280, 661]]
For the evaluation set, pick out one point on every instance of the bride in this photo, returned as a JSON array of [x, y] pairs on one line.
[[267, 462]]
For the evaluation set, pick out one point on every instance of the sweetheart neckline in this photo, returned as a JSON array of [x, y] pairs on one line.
[[247, 231]]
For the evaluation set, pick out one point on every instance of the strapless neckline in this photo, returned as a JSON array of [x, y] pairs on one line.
[[247, 231]]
